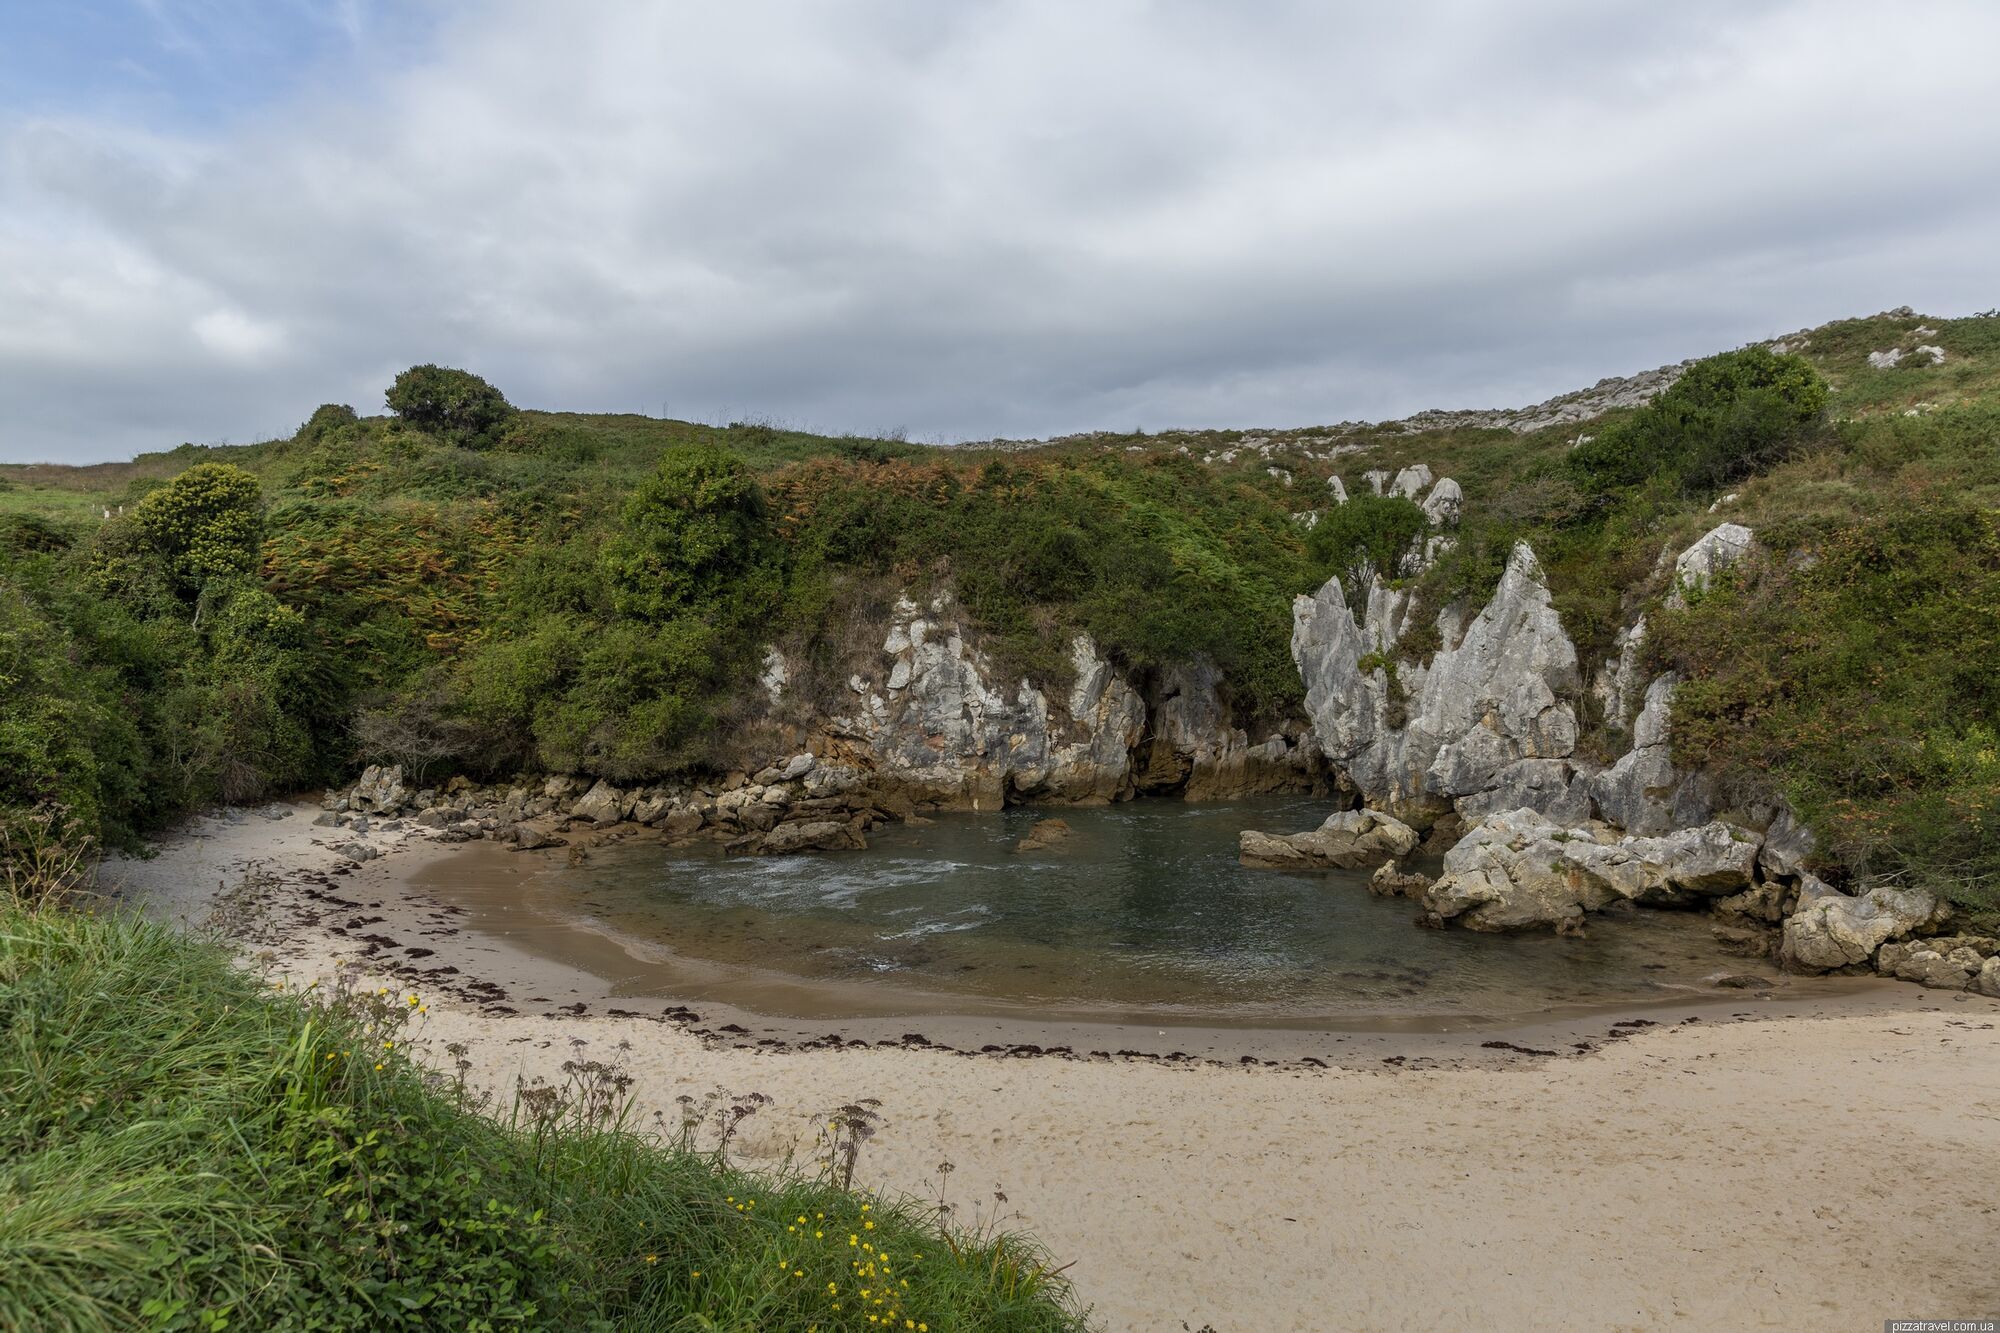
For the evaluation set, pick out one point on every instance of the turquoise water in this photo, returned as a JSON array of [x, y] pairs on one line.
[[1143, 908]]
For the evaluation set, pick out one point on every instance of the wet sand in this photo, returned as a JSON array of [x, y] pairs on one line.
[[1818, 1155]]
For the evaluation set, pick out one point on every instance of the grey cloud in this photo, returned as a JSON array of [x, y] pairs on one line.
[[1002, 219]]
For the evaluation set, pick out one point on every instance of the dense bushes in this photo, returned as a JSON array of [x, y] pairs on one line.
[[186, 1149], [1858, 677], [1726, 418], [145, 671], [455, 405], [1162, 561]]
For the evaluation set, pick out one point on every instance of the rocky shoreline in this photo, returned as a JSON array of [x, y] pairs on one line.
[[1470, 753]]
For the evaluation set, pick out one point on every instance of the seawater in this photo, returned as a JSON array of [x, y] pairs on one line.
[[1143, 909]]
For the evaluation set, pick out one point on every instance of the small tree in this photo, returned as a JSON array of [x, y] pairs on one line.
[[206, 523], [455, 404], [696, 534], [1367, 535], [326, 419]]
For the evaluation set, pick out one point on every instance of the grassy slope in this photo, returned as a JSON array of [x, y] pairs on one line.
[[180, 1147]]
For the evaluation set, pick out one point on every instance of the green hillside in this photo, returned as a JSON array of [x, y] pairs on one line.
[[472, 588]]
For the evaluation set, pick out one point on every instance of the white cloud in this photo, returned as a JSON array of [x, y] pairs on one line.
[[1006, 218]]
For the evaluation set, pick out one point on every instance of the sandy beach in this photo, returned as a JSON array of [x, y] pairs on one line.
[[1818, 1157]]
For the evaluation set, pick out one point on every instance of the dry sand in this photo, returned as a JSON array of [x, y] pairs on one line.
[[1831, 1163]]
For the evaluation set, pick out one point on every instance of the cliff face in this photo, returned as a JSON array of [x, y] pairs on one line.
[[931, 719]]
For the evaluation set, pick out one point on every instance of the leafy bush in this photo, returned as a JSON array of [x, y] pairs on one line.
[[327, 420], [697, 532], [1726, 418], [453, 404], [1366, 536], [206, 523]]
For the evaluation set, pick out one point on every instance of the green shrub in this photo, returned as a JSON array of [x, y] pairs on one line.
[[206, 523], [1855, 677], [327, 420], [453, 404], [1726, 418], [696, 533], [1366, 536]]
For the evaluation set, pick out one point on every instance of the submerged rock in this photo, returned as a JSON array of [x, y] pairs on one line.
[[1390, 880], [815, 835], [1045, 834]]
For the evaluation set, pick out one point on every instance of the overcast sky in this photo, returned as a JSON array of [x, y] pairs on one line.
[[962, 220]]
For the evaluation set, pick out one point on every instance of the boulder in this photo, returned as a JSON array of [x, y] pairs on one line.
[[357, 851], [1950, 962], [380, 790], [1515, 871], [1443, 504], [600, 805], [817, 835], [436, 817], [1675, 869], [1988, 980], [651, 808], [1410, 482], [1348, 838], [528, 837], [1830, 930], [1390, 880], [1715, 551]]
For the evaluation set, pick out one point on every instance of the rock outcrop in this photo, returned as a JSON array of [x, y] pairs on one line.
[[1643, 792], [937, 725], [1519, 870], [1493, 696], [1830, 930], [1348, 839]]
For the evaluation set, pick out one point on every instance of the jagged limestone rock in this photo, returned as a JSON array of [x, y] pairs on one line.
[[1443, 504], [1492, 696], [1643, 793]]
